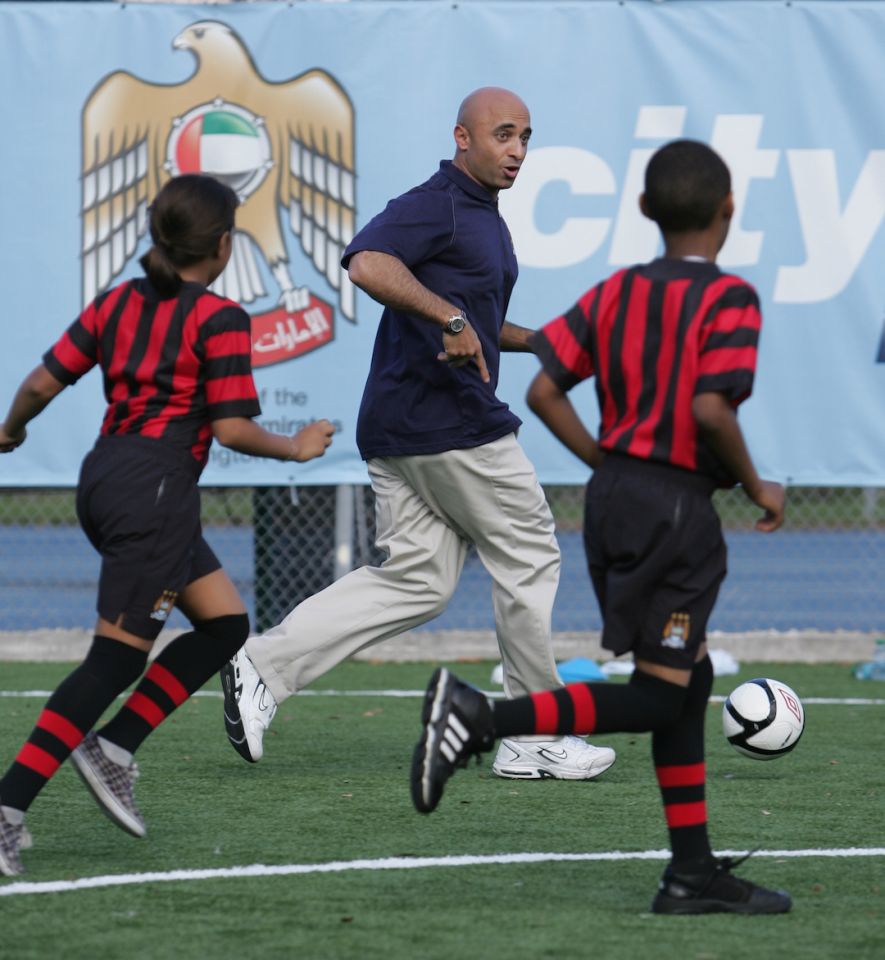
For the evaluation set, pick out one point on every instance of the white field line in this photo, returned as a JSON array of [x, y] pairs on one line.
[[23, 888], [494, 694]]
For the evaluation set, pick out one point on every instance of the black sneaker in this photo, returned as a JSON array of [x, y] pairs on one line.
[[457, 722], [715, 890]]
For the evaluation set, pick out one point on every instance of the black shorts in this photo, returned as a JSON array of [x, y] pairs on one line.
[[656, 557], [139, 504]]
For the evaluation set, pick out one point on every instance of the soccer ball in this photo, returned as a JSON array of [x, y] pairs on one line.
[[763, 719]]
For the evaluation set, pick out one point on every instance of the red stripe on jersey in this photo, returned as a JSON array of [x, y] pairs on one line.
[[685, 427], [635, 324], [568, 351], [92, 320], [61, 728], [584, 706], [229, 388], [681, 775], [145, 708], [546, 712], [159, 330], [89, 317], [70, 357], [607, 300], [185, 371], [714, 291], [109, 304], [730, 319], [123, 340], [727, 360], [200, 449], [168, 683], [229, 343], [146, 370], [674, 299], [724, 319], [686, 814], [177, 406], [37, 759]]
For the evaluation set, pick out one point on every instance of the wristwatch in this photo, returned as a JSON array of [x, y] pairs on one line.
[[455, 324]]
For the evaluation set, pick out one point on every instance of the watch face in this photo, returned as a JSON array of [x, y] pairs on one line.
[[455, 325]]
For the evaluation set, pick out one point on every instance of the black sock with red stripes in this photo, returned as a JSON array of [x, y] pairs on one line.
[[179, 671], [643, 704], [70, 713], [678, 755]]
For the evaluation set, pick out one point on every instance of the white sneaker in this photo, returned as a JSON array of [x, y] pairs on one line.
[[248, 706], [568, 758]]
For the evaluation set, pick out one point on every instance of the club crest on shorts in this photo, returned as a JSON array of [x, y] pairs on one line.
[[286, 148], [164, 605], [676, 631]]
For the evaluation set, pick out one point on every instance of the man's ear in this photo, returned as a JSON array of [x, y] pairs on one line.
[[643, 206], [726, 209], [462, 136]]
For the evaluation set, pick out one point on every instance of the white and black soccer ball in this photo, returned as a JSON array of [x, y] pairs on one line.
[[763, 719]]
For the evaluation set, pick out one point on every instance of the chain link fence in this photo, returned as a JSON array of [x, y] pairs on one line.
[[822, 572]]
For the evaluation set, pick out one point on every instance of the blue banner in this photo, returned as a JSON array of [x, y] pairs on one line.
[[319, 113]]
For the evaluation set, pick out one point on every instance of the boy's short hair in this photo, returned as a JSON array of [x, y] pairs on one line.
[[685, 182]]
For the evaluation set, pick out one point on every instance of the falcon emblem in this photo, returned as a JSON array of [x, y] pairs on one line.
[[287, 148]]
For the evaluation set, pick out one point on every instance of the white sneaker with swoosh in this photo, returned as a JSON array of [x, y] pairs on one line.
[[568, 758], [249, 706]]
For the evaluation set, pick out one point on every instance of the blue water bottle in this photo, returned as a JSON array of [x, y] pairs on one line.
[[873, 669]]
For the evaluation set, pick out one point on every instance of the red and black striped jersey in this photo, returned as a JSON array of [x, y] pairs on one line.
[[654, 336], [170, 366]]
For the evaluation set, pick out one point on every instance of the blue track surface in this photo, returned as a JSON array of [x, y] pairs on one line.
[[791, 580]]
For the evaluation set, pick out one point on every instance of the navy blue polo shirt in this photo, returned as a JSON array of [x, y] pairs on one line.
[[449, 233]]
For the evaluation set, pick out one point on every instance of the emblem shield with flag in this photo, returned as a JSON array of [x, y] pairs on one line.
[[286, 148]]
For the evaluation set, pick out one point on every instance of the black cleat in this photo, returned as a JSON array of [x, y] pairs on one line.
[[716, 890], [457, 722]]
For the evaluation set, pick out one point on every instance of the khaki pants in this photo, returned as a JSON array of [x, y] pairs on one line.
[[428, 510]]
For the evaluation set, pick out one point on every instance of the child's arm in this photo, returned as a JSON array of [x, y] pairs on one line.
[[717, 422], [515, 339], [554, 407], [246, 436], [35, 392]]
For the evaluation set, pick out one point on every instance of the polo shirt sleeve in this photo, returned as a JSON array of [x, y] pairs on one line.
[[227, 349], [728, 343], [414, 228], [564, 345], [76, 351]]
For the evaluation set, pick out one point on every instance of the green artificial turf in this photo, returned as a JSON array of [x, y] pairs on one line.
[[334, 787]]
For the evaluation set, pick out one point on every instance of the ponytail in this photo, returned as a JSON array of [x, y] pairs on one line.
[[188, 218], [161, 272]]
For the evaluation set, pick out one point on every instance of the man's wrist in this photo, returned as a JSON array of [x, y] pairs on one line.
[[455, 323]]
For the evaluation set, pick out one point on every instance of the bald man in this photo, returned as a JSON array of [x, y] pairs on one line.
[[441, 449]]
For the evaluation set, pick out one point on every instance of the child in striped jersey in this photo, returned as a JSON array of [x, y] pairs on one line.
[[672, 347], [176, 361]]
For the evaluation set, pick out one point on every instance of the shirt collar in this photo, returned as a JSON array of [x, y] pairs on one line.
[[468, 185]]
